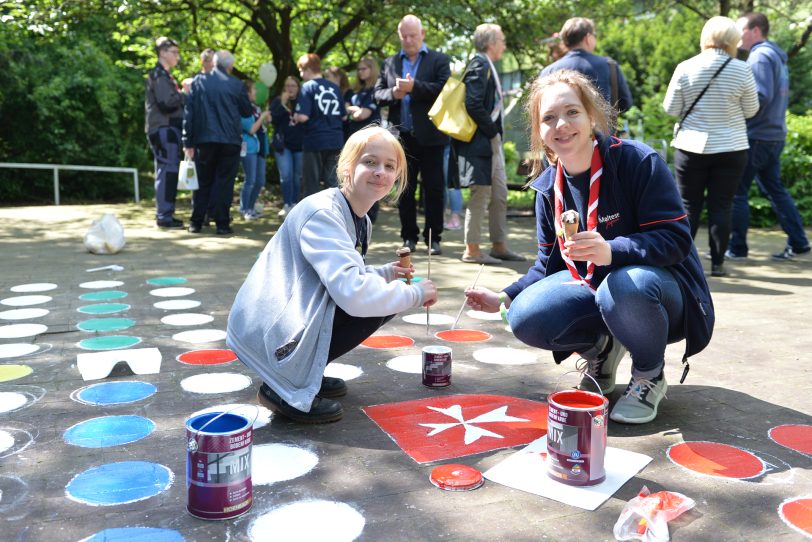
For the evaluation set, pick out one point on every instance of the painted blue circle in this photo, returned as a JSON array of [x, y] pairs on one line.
[[109, 431], [115, 393], [136, 534], [119, 483]]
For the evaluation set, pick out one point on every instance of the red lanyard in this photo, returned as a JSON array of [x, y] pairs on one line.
[[595, 171]]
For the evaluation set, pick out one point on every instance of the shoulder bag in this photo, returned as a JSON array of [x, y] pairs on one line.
[[449, 114], [685, 116]]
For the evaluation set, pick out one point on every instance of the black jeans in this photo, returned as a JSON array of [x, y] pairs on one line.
[[428, 161], [350, 331], [217, 165], [318, 167], [718, 175]]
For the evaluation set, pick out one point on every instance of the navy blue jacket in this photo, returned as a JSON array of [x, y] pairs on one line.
[[213, 110], [640, 214], [769, 64], [282, 119], [597, 69]]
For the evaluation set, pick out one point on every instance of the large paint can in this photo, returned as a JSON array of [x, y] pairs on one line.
[[436, 366], [218, 465], [576, 437]]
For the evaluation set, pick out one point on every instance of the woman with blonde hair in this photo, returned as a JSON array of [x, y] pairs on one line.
[[310, 297], [712, 94], [623, 272]]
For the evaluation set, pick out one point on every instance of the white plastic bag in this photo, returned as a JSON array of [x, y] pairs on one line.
[[187, 176], [646, 516], [105, 235]]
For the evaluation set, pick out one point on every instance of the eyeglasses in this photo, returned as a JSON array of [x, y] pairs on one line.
[[362, 68]]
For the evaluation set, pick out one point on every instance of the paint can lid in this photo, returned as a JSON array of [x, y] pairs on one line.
[[456, 477]]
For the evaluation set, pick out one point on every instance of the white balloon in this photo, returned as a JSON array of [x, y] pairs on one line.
[[267, 73]]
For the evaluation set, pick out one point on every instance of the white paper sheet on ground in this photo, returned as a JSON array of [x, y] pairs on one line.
[[527, 470], [141, 361]]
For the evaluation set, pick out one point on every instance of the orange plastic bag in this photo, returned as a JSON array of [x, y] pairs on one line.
[[646, 516]]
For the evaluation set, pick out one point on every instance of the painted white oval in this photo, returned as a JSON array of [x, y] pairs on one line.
[[343, 371], [17, 349], [197, 336], [412, 364], [434, 319], [309, 520], [25, 300], [177, 304], [6, 441], [34, 287], [480, 315], [187, 319], [215, 383], [18, 331], [96, 284], [11, 400], [505, 356], [175, 291], [23, 314], [271, 463]]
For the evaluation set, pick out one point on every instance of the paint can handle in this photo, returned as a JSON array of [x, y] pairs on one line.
[[584, 373], [193, 443]]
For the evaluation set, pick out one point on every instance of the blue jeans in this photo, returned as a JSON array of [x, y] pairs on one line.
[[254, 167], [289, 164], [641, 306], [764, 165]]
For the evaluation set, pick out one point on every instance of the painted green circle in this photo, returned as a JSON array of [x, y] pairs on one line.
[[167, 281], [109, 342], [103, 308], [103, 296], [106, 324]]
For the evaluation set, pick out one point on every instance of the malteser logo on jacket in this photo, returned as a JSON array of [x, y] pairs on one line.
[[609, 220]]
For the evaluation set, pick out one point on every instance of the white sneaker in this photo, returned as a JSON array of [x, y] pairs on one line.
[[285, 210], [640, 400], [248, 216]]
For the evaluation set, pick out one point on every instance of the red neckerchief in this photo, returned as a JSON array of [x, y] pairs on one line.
[[595, 171]]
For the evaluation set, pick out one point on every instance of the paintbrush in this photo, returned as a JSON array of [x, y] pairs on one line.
[[429, 278], [457, 319]]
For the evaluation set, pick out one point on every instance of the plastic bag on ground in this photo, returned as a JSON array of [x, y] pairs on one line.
[[105, 235], [646, 516]]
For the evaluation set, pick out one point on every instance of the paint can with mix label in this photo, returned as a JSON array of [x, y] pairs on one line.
[[576, 437], [436, 366], [218, 465]]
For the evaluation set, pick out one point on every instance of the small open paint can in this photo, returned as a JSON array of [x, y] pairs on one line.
[[218, 465], [436, 366]]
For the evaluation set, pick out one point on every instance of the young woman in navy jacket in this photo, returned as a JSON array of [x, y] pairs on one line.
[[630, 278]]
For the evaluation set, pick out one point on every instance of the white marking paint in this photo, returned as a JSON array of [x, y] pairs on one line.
[[6, 441], [141, 361], [479, 315], [261, 415], [197, 336], [23, 314], [96, 284], [434, 319], [25, 300], [215, 383], [309, 520], [113, 267], [14, 440], [187, 319], [412, 364], [17, 350], [35, 287], [271, 463], [172, 292], [18, 331], [10, 400], [342, 370], [505, 356], [177, 304]]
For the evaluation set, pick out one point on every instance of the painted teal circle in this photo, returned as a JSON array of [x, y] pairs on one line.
[[109, 295], [109, 342], [136, 534], [109, 431], [104, 308], [119, 483], [106, 324], [414, 279], [167, 281], [116, 393]]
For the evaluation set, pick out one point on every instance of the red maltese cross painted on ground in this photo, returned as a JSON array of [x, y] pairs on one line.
[[440, 428]]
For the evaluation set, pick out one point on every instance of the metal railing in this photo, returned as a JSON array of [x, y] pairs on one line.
[[57, 167]]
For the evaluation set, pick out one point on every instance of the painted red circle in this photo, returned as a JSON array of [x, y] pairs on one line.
[[794, 437], [387, 341], [463, 335], [456, 477], [798, 513], [714, 459], [207, 357]]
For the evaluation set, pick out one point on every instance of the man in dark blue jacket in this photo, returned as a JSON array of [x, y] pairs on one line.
[[409, 83], [212, 135], [578, 36]]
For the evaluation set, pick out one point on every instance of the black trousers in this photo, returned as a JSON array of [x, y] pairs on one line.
[[428, 162], [718, 176], [217, 165], [350, 331]]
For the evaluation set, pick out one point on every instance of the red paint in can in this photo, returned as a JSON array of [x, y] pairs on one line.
[[218, 465], [576, 437], [436, 366]]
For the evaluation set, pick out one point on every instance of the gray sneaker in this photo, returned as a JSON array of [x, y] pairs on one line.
[[603, 369], [639, 402]]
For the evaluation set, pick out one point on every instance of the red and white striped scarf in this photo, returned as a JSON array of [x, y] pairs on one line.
[[595, 171]]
